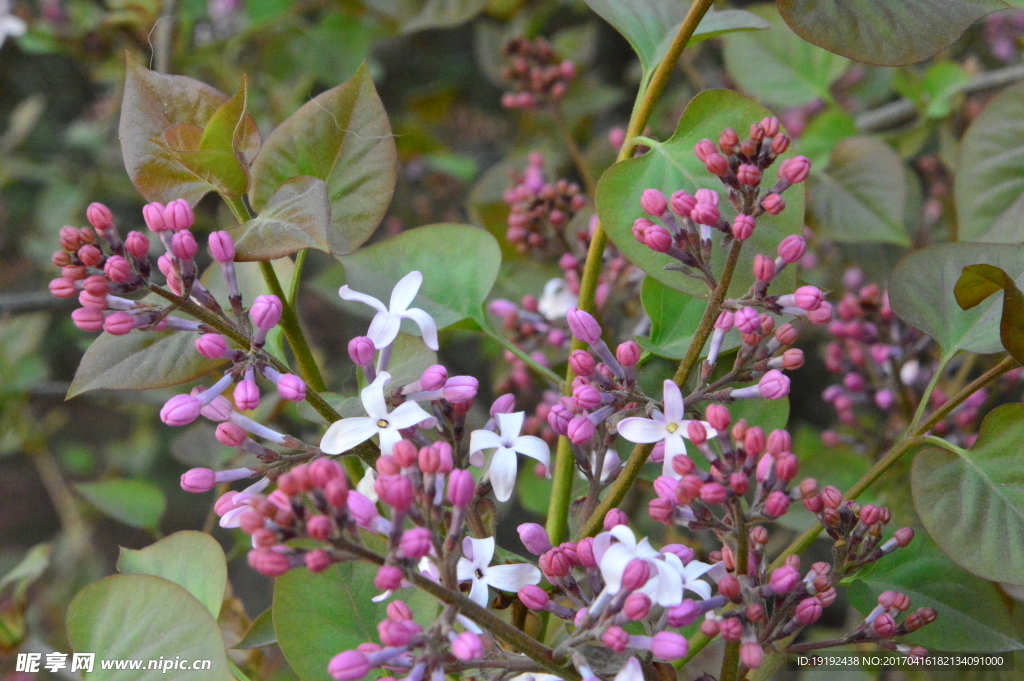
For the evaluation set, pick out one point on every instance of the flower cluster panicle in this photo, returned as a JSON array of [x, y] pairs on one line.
[[540, 211], [537, 76]]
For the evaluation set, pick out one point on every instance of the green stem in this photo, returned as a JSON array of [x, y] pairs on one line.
[[574, 152], [927, 395], [300, 263], [731, 659], [561, 497], [543, 371]]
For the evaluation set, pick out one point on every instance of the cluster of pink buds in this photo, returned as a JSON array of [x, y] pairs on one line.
[[541, 210], [538, 78]]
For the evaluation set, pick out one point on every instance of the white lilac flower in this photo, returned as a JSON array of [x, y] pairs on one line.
[[10, 24], [663, 587], [367, 485], [557, 299], [631, 672], [691, 574], [504, 464], [385, 325], [476, 567], [240, 502], [347, 433], [669, 427]]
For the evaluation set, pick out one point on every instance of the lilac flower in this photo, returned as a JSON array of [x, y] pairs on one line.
[[347, 433], [504, 464], [557, 299], [385, 324], [664, 586], [10, 24], [669, 427], [476, 567], [691, 574]]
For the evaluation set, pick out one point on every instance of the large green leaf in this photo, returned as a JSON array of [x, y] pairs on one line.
[[884, 32], [342, 137], [192, 560], [141, 617], [972, 615], [921, 292], [777, 66], [459, 264], [651, 25], [980, 282], [972, 501], [140, 360], [297, 216], [989, 185], [861, 194], [674, 319], [133, 502], [671, 166]]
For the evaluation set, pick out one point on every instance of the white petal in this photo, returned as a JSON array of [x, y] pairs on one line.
[[613, 565], [631, 672], [483, 439], [366, 485], [511, 425], [407, 415], [380, 598], [674, 446], [636, 429], [482, 550], [428, 328], [670, 586], [348, 294], [711, 432], [469, 624], [232, 518], [695, 569], [464, 569], [673, 398], [504, 467], [479, 594], [512, 577], [624, 535], [372, 397], [389, 437], [699, 587], [533, 447], [476, 459], [345, 434], [404, 292], [383, 330], [601, 543]]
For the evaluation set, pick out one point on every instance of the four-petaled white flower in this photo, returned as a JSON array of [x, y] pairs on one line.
[[385, 324], [476, 566], [691, 574], [670, 427], [557, 299], [663, 586], [345, 434], [504, 464]]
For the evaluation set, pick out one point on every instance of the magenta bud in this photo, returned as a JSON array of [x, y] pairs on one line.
[[808, 298], [657, 238], [616, 639], [718, 416], [774, 385], [198, 480], [119, 324], [666, 645], [181, 410], [415, 543], [247, 395], [433, 378], [99, 216], [555, 563], [743, 227], [586, 397], [749, 175], [63, 288], [794, 170], [776, 505], [653, 202], [222, 247], [716, 164], [153, 214], [395, 491], [613, 518], [637, 606], [904, 536], [713, 493], [467, 646], [559, 418], [783, 579], [682, 204], [684, 614], [324, 470], [269, 563], [349, 666], [318, 561], [751, 654], [137, 245], [505, 404], [773, 204], [747, 320], [628, 354], [117, 269], [211, 345], [230, 435], [636, 574], [705, 214], [291, 388], [583, 326], [786, 466], [184, 246], [319, 528], [582, 363], [779, 441], [266, 312], [792, 248], [178, 215], [697, 433], [764, 268], [361, 350], [704, 149], [534, 538], [808, 611], [460, 389], [580, 429], [534, 597]]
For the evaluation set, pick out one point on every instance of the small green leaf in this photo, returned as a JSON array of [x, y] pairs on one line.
[[231, 129], [977, 283], [777, 66], [297, 216], [192, 560], [141, 617], [260, 633], [140, 360], [28, 570], [884, 32], [861, 195], [342, 137], [972, 615], [131, 502], [441, 14], [459, 264]]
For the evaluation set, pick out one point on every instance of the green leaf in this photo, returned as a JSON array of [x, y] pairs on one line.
[[972, 615], [260, 633], [140, 360], [217, 170], [317, 616], [979, 282], [989, 187], [231, 129], [192, 560], [671, 166], [342, 137], [884, 32], [131, 502], [776, 66], [861, 194], [921, 292], [442, 14], [141, 617], [409, 359], [459, 264], [972, 501], [651, 25], [674, 319], [297, 216], [30, 568], [823, 133]]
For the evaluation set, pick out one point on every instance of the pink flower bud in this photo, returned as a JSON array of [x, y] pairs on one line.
[[794, 170], [792, 248], [808, 611], [751, 654], [153, 214], [773, 204], [703, 149], [222, 247], [361, 351], [230, 435], [395, 491], [713, 493], [317, 561], [636, 574], [764, 268], [90, 255], [415, 543], [616, 639], [716, 164], [349, 666], [505, 404], [754, 441], [792, 359], [99, 216], [211, 345], [555, 563], [718, 416], [682, 204], [559, 418], [582, 363], [747, 320], [266, 312], [291, 388], [666, 645], [684, 614], [117, 269], [534, 538], [467, 646], [808, 298], [336, 493], [657, 238], [534, 597], [324, 470], [119, 324], [580, 429], [198, 480], [786, 466], [586, 397], [247, 395], [904, 536], [776, 505], [460, 389], [63, 288], [731, 629], [178, 215], [653, 202], [783, 579], [613, 518], [319, 528], [86, 299], [884, 626], [628, 354], [181, 410], [640, 227], [433, 378], [184, 246], [137, 245], [165, 265], [774, 385], [749, 175], [583, 326], [728, 141]]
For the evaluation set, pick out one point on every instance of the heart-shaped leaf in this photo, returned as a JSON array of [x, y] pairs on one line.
[[192, 560], [884, 32], [297, 216], [140, 360], [132, 502], [861, 195], [972, 501], [342, 137], [141, 617], [671, 166], [979, 282]]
